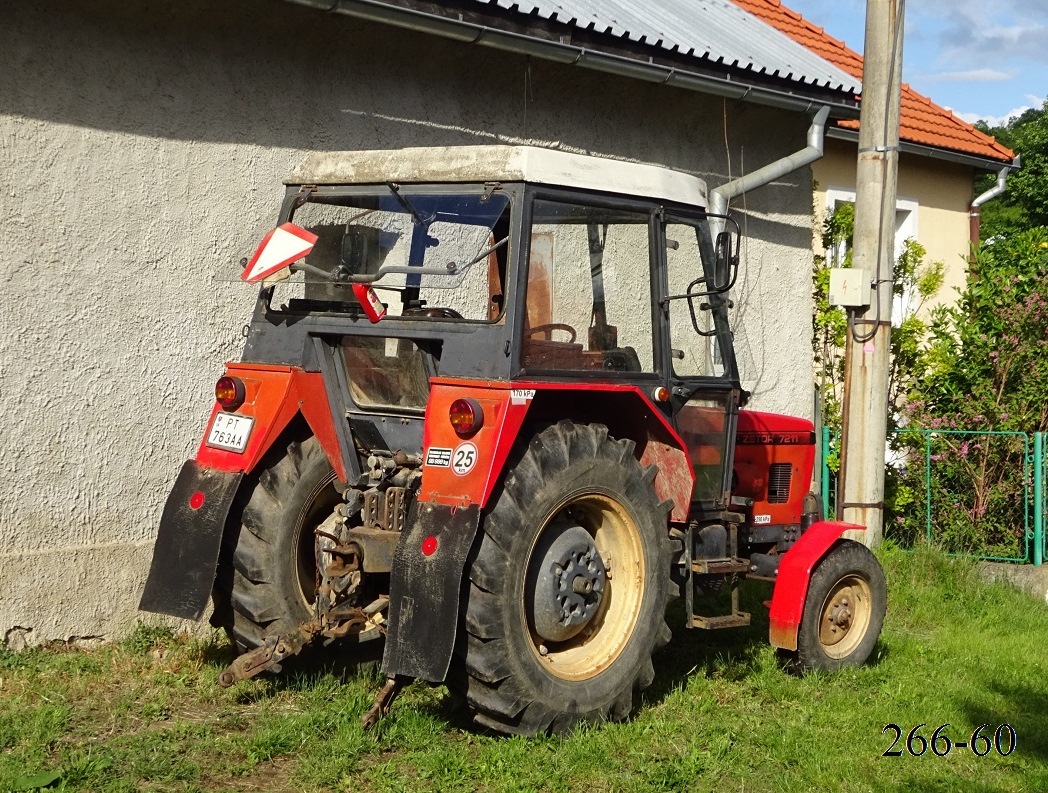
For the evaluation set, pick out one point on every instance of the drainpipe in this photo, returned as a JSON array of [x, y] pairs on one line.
[[720, 196], [989, 195]]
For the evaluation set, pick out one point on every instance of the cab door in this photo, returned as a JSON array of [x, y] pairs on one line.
[[699, 362], [588, 296]]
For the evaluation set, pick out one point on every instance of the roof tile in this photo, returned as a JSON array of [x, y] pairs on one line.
[[922, 121]]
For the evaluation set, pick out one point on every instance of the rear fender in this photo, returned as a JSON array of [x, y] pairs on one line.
[[449, 479], [628, 414], [791, 583], [274, 395], [185, 555], [459, 475]]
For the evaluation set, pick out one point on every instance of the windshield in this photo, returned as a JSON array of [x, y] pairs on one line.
[[427, 254]]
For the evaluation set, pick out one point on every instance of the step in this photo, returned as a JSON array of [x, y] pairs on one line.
[[720, 566], [737, 620]]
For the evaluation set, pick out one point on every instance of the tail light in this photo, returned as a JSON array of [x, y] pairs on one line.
[[467, 416], [229, 392]]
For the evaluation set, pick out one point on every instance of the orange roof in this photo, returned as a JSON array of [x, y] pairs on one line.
[[922, 121]]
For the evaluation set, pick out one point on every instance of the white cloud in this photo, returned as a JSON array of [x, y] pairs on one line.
[[981, 34], [970, 76], [1000, 121]]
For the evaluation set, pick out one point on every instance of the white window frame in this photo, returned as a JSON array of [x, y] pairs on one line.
[[906, 227]]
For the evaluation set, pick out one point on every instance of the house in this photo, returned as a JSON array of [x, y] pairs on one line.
[[144, 148], [939, 159]]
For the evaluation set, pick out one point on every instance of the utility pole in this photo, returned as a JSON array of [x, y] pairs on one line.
[[867, 353]]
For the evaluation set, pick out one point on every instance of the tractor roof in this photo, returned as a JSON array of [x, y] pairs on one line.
[[451, 164]]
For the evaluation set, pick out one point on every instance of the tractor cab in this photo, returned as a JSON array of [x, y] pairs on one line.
[[488, 412], [512, 264]]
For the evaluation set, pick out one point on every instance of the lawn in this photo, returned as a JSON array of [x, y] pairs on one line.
[[147, 714]]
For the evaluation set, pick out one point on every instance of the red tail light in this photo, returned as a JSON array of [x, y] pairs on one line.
[[229, 392], [467, 416]]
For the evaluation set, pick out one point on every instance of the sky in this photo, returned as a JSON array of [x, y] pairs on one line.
[[982, 59]]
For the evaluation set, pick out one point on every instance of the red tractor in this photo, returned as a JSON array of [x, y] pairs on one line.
[[489, 411]]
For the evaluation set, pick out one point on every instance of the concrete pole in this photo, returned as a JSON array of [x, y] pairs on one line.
[[867, 351]]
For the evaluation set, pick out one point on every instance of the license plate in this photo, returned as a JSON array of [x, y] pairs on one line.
[[230, 431]]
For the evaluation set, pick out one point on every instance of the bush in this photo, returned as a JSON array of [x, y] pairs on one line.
[[985, 369]]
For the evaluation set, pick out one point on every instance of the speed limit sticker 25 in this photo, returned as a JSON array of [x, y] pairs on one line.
[[464, 458]]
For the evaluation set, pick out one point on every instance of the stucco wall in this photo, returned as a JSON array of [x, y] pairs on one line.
[[143, 147], [942, 192]]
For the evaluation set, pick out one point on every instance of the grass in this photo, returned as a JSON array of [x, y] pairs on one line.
[[147, 714]]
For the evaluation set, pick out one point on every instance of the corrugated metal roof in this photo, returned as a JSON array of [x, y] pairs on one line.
[[714, 30]]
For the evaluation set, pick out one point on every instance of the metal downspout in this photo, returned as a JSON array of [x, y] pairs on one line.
[[974, 219], [720, 196]]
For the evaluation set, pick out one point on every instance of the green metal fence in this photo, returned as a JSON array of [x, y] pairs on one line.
[[961, 484]]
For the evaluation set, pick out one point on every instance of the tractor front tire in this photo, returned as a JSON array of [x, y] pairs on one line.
[[567, 587], [266, 580], [844, 609]]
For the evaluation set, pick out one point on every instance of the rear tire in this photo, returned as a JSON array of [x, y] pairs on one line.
[[266, 580], [536, 654], [844, 609]]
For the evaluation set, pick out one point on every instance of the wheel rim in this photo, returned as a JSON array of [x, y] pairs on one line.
[[608, 630], [322, 501], [845, 616]]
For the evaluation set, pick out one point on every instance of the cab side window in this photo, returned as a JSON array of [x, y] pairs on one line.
[[588, 304]]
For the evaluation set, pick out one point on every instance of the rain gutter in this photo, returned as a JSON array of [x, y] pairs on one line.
[[574, 55], [906, 147]]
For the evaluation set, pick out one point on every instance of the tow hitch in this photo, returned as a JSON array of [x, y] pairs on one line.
[[335, 624]]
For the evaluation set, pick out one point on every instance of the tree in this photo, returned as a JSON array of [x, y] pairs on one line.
[[1025, 203], [984, 372]]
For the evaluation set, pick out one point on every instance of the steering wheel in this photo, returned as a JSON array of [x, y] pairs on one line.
[[551, 326], [436, 312]]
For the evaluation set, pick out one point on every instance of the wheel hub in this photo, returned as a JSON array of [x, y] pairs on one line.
[[839, 615], [568, 583]]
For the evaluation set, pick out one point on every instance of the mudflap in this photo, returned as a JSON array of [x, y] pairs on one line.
[[424, 591], [185, 555]]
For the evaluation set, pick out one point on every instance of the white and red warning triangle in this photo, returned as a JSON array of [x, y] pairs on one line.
[[279, 248]]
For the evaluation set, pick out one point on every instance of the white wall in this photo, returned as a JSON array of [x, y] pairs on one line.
[[143, 145]]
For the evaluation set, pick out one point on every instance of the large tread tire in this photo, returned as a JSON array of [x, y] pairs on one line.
[[497, 666], [264, 585], [848, 577]]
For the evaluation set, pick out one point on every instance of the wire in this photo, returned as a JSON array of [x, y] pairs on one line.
[[900, 11], [727, 148]]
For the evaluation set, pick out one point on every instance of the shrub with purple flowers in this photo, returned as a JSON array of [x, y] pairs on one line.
[[984, 369]]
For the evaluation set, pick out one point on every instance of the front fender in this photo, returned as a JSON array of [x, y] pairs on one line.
[[791, 583]]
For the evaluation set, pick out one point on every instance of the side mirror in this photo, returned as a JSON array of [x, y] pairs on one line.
[[726, 264]]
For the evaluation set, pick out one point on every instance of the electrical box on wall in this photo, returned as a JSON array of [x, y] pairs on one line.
[[849, 287]]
